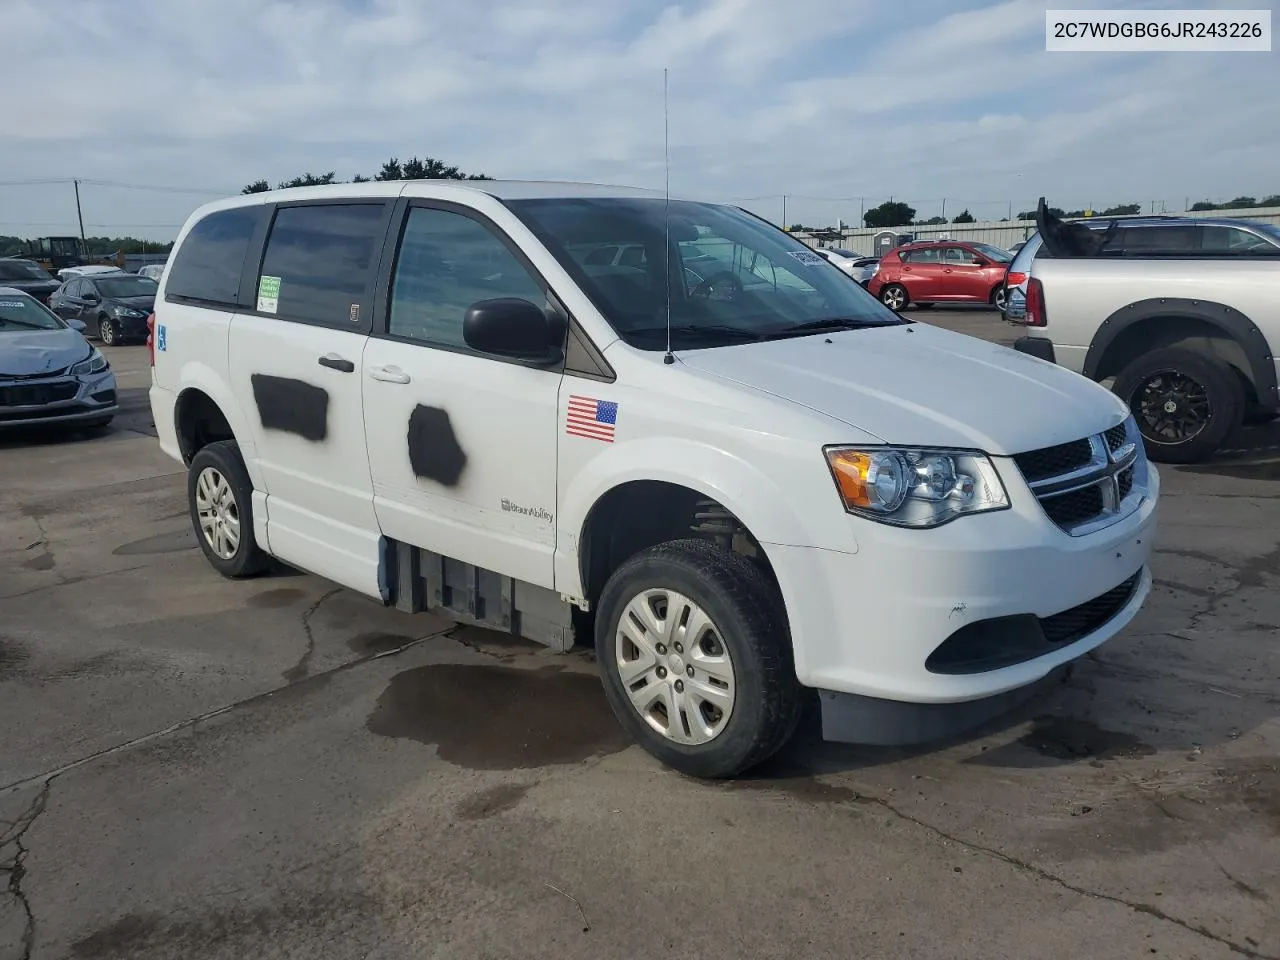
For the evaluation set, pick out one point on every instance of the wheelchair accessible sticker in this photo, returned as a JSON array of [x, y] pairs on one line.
[[162, 343], [268, 294]]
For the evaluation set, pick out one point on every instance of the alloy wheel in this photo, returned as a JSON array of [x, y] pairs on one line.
[[218, 513], [1172, 407]]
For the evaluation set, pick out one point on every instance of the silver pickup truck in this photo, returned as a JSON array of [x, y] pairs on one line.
[[1187, 325]]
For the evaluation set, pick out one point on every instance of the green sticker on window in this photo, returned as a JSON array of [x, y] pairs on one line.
[[268, 294]]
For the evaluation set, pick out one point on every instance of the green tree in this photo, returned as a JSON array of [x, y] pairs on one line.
[[359, 178], [1240, 203], [308, 180], [931, 222], [889, 214], [258, 186], [964, 216], [1123, 210]]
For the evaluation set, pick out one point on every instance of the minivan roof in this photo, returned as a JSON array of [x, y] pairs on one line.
[[500, 189]]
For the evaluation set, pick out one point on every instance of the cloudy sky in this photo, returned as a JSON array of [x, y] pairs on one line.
[[826, 101]]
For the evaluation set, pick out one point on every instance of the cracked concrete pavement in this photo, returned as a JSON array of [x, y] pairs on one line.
[[197, 768]]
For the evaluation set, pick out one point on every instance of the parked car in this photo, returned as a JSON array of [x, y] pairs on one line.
[[1140, 237], [49, 375], [738, 488], [88, 270], [1184, 314], [27, 276], [113, 307], [152, 270], [856, 265], [941, 271]]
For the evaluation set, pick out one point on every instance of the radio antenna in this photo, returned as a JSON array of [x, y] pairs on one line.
[[666, 210]]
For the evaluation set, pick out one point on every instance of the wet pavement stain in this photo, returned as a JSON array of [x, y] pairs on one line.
[[274, 599], [43, 561], [1067, 738], [490, 802], [367, 644], [504, 647], [172, 542], [499, 718]]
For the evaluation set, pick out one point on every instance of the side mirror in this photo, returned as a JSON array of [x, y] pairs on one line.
[[514, 328], [978, 262], [76, 325], [91, 297]]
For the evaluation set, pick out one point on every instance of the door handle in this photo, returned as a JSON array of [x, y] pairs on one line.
[[335, 362], [389, 374]]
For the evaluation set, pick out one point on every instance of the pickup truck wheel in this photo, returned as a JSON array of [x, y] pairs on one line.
[[695, 658], [1186, 403], [220, 498], [894, 296]]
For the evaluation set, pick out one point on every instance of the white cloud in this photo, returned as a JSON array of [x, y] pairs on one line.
[[812, 98]]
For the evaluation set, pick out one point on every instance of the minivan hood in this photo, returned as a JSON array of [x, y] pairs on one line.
[[915, 384], [29, 353]]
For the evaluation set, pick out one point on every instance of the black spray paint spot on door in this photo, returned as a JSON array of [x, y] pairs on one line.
[[293, 406], [434, 452]]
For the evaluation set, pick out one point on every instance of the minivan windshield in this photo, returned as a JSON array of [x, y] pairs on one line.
[[734, 277]]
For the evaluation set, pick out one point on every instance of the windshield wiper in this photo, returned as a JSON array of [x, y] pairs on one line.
[[829, 323], [701, 329]]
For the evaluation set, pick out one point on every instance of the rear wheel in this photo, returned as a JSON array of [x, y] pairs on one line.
[[695, 658], [1185, 403], [220, 499], [894, 296], [107, 332], [998, 296]]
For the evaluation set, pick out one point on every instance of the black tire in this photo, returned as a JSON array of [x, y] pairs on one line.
[[998, 298], [746, 610], [927, 305], [1255, 416], [894, 293], [249, 559], [1223, 401], [107, 332]]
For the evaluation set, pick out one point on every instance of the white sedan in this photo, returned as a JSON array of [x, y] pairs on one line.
[[861, 268]]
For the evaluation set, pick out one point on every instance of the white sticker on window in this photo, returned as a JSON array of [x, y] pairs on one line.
[[268, 294], [12, 303], [807, 257]]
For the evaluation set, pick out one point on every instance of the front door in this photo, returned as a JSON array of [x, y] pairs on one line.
[[295, 364], [462, 446], [963, 277]]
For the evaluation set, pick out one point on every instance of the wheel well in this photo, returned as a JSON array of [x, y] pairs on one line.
[[643, 513], [1188, 333], [199, 422]]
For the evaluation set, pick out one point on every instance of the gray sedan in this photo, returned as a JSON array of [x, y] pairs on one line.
[[49, 374]]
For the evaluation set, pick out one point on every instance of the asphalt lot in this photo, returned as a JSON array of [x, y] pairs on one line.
[[191, 767]]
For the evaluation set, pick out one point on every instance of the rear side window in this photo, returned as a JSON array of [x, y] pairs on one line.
[[923, 255], [1156, 241], [319, 263], [208, 264]]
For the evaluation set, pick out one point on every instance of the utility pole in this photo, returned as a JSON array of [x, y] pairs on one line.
[[944, 208], [784, 212], [862, 211], [1010, 209], [80, 217]]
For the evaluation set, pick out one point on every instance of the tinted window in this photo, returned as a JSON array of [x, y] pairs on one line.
[[1232, 241], [924, 255], [993, 253], [22, 270], [1138, 241], [323, 257], [126, 286], [957, 255], [447, 262], [208, 264]]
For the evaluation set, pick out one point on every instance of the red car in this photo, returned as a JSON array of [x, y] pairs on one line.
[[941, 271]]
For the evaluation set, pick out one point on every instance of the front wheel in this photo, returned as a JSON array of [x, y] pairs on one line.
[[1185, 403], [894, 296], [107, 332], [220, 499], [998, 297], [696, 660]]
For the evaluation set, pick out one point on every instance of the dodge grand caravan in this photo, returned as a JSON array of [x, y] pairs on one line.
[[745, 483]]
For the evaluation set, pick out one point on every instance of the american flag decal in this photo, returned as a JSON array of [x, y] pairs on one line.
[[591, 418]]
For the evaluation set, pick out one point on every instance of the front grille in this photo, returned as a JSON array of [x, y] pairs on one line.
[[42, 375], [1074, 508], [28, 395], [1124, 482], [1116, 437], [1004, 641], [1053, 461], [1070, 625]]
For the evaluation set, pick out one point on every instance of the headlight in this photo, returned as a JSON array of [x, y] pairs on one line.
[[95, 364], [915, 488], [127, 312]]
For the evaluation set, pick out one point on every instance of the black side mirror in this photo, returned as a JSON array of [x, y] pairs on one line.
[[91, 297], [514, 328]]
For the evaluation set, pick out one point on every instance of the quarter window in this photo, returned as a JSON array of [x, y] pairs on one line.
[[319, 263], [209, 263], [447, 262]]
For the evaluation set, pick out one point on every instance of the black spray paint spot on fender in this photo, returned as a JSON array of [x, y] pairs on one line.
[[434, 453], [293, 406]]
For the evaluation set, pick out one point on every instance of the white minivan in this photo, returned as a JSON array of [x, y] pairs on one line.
[[747, 483]]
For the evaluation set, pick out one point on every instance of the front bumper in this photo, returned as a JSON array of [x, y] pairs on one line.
[[57, 401], [1041, 347], [865, 623], [131, 328]]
